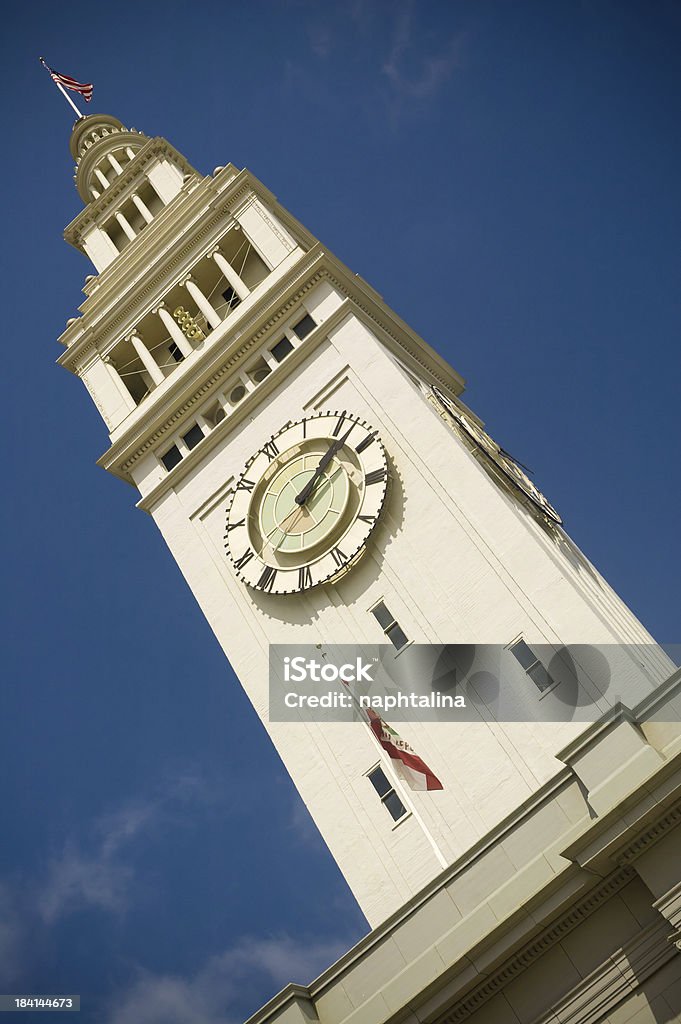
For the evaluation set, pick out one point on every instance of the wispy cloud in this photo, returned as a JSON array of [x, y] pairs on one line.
[[417, 77], [244, 971], [96, 870]]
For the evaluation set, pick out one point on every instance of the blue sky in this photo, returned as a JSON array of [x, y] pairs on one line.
[[506, 175]]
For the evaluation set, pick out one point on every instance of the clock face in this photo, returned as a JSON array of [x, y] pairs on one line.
[[307, 501], [501, 459]]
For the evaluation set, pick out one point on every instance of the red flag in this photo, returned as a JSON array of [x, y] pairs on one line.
[[415, 772]]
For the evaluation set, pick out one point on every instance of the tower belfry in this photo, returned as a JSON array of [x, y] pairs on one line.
[[229, 354]]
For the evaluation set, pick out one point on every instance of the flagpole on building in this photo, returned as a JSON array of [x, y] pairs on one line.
[[409, 803], [387, 760], [61, 88]]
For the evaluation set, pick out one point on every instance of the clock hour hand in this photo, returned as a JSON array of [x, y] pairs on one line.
[[323, 463]]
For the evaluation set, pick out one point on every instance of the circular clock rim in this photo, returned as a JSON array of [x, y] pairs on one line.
[[333, 561]]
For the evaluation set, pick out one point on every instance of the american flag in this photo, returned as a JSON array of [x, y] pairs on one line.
[[84, 88]]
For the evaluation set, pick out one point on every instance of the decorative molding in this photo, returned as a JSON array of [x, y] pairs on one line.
[[223, 371], [651, 836], [346, 285], [260, 210], [619, 977], [528, 954]]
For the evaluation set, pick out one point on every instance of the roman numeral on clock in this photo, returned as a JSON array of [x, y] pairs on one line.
[[271, 450], [369, 439], [267, 578], [368, 519], [233, 526], [304, 577], [339, 424], [245, 485], [244, 560], [376, 476], [339, 558]]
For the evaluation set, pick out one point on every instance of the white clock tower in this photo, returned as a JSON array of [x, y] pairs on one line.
[[309, 461]]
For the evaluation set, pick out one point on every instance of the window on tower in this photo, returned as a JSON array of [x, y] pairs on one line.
[[281, 349], [390, 626], [193, 436], [172, 457], [304, 326], [386, 792], [531, 664]]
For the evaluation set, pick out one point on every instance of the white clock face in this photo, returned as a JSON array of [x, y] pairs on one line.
[[307, 501], [501, 459]]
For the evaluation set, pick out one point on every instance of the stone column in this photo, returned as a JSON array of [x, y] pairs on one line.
[[174, 329], [150, 364], [115, 164], [130, 152], [143, 208], [103, 180], [202, 302], [125, 224], [95, 193], [119, 384], [230, 275]]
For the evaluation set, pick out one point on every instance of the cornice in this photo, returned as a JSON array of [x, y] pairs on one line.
[[593, 733], [651, 836], [523, 958], [97, 207], [263, 320], [245, 408], [130, 286], [218, 363]]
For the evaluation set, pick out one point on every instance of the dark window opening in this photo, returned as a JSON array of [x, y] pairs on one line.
[[281, 349], [193, 436], [386, 792], [171, 457], [390, 627], [396, 636], [529, 661], [175, 352], [304, 326]]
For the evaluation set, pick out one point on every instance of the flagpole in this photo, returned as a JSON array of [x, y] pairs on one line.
[[68, 99], [61, 88], [410, 804], [387, 760]]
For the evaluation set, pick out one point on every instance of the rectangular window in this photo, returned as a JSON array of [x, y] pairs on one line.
[[175, 352], [389, 797], [171, 457], [529, 661], [193, 436], [281, 349], [390, 627], [304, 326]]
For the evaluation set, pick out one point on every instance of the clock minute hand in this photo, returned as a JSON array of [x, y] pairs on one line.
[[323, 463]]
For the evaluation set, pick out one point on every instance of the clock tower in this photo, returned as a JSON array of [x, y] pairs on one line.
[[312, 466]]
